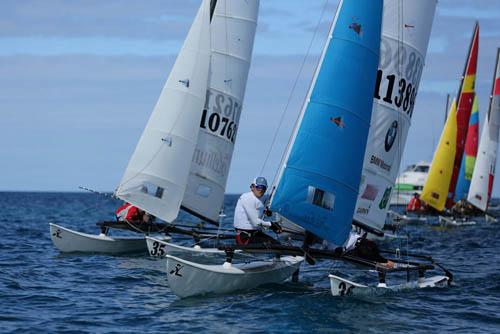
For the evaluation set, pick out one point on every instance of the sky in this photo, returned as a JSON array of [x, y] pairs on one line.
[[79, 79]]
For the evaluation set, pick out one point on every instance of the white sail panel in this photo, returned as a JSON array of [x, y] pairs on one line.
[[156, 176], [484, 170], [405, 37], [232, 35]]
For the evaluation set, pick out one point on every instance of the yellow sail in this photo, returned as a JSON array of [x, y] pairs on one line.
[[435, 189]]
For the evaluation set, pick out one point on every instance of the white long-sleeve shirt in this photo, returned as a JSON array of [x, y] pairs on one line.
[[248, 211]]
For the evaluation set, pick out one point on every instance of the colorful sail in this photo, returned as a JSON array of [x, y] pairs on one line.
[[319, 181], [406, 30], [156, 176], [232, 32], [436, 187], [470, 154], [484, 170], [465, 99]]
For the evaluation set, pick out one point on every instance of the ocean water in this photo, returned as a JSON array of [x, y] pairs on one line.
[[42, 290]]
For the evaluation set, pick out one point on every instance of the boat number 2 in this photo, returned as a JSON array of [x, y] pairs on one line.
[[344, 290], [158, 249], [404, 97]]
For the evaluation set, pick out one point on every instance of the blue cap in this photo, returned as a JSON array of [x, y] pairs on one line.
[[260, 181]]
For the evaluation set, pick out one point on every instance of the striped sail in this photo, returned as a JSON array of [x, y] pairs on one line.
[[156, 176], [319, 181], [232, 32], [406, 29], [484, 171], [464, 107], [436, 187], [470, 154]]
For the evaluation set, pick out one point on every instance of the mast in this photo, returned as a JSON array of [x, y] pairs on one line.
[[319, 180], [464, 106]]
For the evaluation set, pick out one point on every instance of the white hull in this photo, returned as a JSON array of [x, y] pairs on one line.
[[342, 287], [450, 221], [160, 248], [188, 279], [69, 241], [406, 219]]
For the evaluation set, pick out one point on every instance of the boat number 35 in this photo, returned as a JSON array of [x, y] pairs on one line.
[[221, 115], [158, 249]]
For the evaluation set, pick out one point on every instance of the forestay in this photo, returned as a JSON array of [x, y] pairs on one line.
[[232, 35], [470, 154], [319, 181], [406, 30], [484, 171], [156, 176]]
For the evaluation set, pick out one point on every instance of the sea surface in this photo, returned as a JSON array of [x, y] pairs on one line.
[[43, 291]]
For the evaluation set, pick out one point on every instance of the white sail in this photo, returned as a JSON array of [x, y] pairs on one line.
[[232, 28], [406, 30], [484, 169], [156, 176]]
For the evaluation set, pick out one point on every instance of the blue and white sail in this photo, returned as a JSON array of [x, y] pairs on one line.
[[406, 29], [318, 183]]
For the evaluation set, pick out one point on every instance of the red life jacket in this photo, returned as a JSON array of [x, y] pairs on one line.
[[128, 212], [414, 204]]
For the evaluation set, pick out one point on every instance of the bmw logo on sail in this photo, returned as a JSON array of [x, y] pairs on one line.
[[390, 137]]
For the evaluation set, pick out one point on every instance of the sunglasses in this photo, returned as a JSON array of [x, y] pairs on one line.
[[260, 187]]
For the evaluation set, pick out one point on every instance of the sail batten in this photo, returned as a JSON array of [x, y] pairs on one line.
[[318, 182], [402, 57]]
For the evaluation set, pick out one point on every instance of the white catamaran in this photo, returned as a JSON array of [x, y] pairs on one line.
[[183, 156]]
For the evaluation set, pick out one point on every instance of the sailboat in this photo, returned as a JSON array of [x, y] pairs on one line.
[[464, 108], [439, 189], [310, 190], [484, 171], [183, 157]]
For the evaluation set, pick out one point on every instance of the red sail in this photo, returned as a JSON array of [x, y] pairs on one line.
[[465, 99]]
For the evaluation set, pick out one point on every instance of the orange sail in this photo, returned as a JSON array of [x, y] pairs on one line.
[[464, 107]]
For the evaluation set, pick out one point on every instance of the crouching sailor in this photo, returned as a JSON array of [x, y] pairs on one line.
[[247, 216]]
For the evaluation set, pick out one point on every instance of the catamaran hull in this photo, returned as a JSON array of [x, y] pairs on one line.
[[450, 221], [187, 279], [342, 287], [160, 248], [69, 241]]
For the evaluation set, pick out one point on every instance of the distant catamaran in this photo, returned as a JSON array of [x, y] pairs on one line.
[[183, 156], [440, 187], [484, 170]]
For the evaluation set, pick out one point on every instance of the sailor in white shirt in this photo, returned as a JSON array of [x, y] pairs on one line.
[[247, 215]]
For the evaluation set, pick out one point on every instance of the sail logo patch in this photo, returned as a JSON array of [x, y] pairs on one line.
[[385, 198], [390, 137], [356, 27]]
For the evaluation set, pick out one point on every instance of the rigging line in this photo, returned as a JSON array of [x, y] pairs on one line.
[[293, 89]]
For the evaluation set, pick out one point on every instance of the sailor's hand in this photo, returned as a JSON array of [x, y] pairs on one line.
[[268, 212], [276, 227]]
